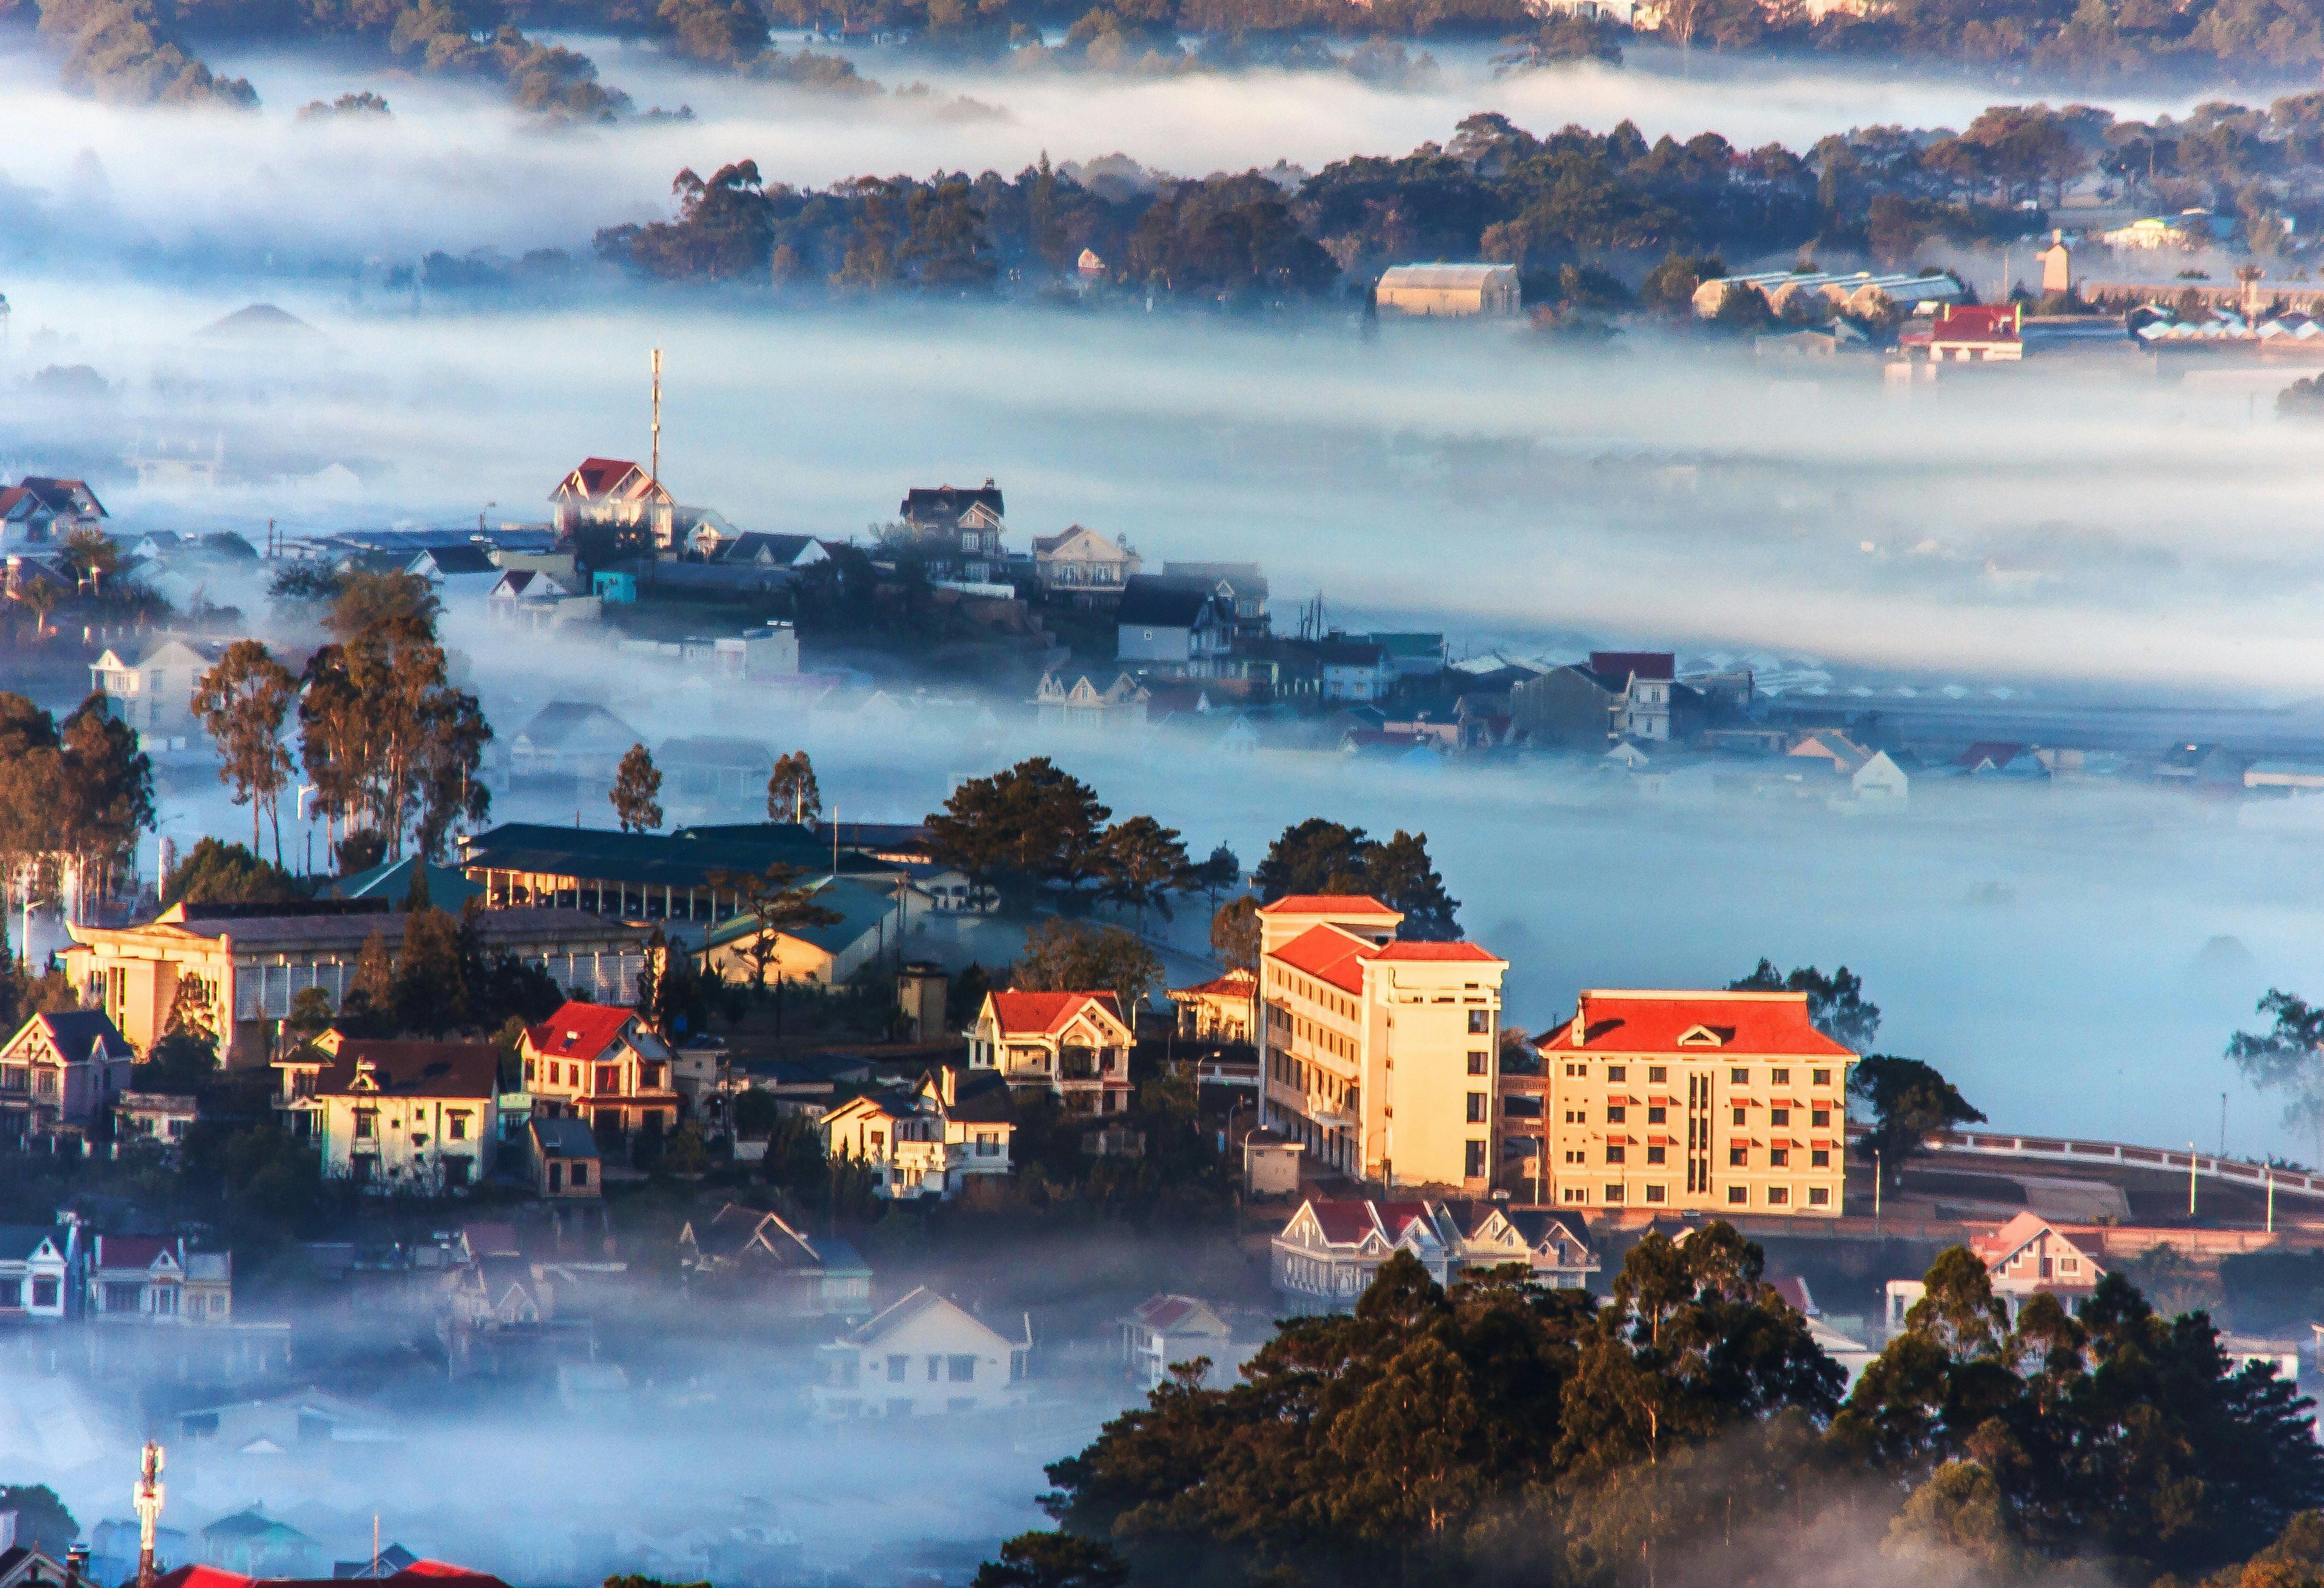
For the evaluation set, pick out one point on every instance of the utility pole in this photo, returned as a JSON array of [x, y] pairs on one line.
[[2271, 1199], [656, 416], [147, 1499], [1875, 1194], [2190, 1180]]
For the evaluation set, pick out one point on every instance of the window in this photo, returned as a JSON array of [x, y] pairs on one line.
[[1819, 1158], [1736, 1195], [1615, 1114], [1572, 1193], [44, 1082], [988, 1144], [1779, 1158], [1658, 1073], [936, 1367], [1616, 1153], [1738, 1157], [456, 1127], [1613, 1193], [1742, 1116], [1654, 1153], [1657, 1115], [1820, 1077], [1480, 1107], [1740, 1077], [44, 1292], [366, 1124], [1779, 1078], [529, 1064], [1778, 1195], [1480, 1063], [1618, 1072], [1654, 1193], [12, 1294], [1577, 1069], [1480, 1022], [1475, 1168], [1779, 1116], [608, 1077], [2069, 1265], [1573, 1157], [121, 1297], [1821, 1118], [580, 1176], [1819, 1196], [1575, 1116], [960, 1370]]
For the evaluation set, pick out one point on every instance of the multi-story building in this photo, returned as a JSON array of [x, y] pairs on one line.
[[151, 1279], [957, 1126], [60, 1072], [36, 1263], [601, 1064], [1725, 1102], [1076, 1045], [415, 1117], [1379, 1057]]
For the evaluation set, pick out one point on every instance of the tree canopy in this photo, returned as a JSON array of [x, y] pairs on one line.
[[1321, 857]]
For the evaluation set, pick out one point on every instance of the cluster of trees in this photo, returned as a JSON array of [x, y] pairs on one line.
[[1320, 856], [1035, 827], [120, 52], [1690, 1429], [73, 798]]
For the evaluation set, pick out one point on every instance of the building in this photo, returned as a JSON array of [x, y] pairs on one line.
[[1379, 1057], [1162, 1332], [2028, 1256], [155, 693], [158, 1118], [576, 739], [957, 1126], [256, 1546], [1860, 293], [1331, 1250], [145, 1278], [1076, 1045], [421, 1118], [1086, 708], [650, 877], [303, 1422], [797, 1274], [770, 651], [2057, 263], [1355, 669], [1219, 1010], [1181, 623], [461, 570], [1451, 291], [1710, 1102], [752, 548], [1570, 706], [536, 601], [959, 529], [62, 1072], [1082, 565], [601, 1064], [924, 1356], [564, 1163], [234, 969], [385, 1569], [36, 1266], [1642, 682], [824, 955], [70, 503], [614, 493], [1241, 585], [1880, 782], [1970, 333]]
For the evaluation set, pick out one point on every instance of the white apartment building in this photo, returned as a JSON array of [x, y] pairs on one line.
[[1380, 1057]]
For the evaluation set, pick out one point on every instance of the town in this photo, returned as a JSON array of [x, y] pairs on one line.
[[568, 1072]]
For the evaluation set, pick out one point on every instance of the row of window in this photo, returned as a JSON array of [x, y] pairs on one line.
[[1737, 1158], [1619, 1113], [455, 1125], [1659, 1074], [1737, 1196], [955, 1370]]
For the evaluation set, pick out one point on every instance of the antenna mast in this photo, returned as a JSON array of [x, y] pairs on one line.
[[147, 1499], [656, 416]]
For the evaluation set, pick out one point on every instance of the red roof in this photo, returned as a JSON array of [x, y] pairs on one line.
[[1353, 906], [1235, 983], [579, 1031], [1438, 951], [1045, 1014], [130, 1251], [1743, 1024], [597, 475], [434, 1573], [1975, 322], [1344, 1222], [1329, 955]]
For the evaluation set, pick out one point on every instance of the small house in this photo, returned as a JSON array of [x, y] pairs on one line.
[[1074, 1045], [924, 1356], [1457, 291], [62, 1072], [565, 1164]]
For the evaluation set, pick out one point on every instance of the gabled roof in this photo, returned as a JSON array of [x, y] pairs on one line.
[[1739, 1024], [607, 477], [1084, 540], [921, 1302], [453, 559], [944, 504], [78, 1035], [1164, 603], [467, 1070], [563, 721], [1622, 666], [2023, 1231], [18, 1242], [1330, 955], [135, 1251], [1466, 951], [1988, 754], [424, 1573], [579, 1031], [64, 496], [979, 1097], [562, 1137], [1045, 1014], [1237, 982], [1178, 1315]]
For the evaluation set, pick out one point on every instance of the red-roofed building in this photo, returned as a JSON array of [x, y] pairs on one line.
[[1731, 1101], [1076, 1045], [1219, 1010], [616, 492], [1379, 1057], [419, 1573], [1964, 333], [602, 1065]]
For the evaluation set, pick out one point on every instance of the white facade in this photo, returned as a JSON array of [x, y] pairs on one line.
[[924, 1356]]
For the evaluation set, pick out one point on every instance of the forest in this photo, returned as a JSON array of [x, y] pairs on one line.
[[1689, 1430]]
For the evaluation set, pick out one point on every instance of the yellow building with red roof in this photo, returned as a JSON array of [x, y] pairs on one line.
[[1726, 1102], [1380, 1057], [1076, 1045]]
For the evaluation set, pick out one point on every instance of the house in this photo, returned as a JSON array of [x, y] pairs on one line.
[[26, 523], [1240, 585], [1641, 683], [824, 955], [234, 969], [601, 1064], [958, 530], [421, 1118], [709, 766], [2024, 1257], [1168, 620], [770, 651], [1377, 1055], [1965, 333], [1841, 755], [1082, 565], [1410, 655], [1693, 1100], [1570, 706], [143, 1278], [60, 1072], [1329, 1252], [70, 503], [256, 1546], [956, 1126], [299, 1424], [1089, 709], [420, 1573], [534, 601], [943, 507], [1076, 1045], [28, 1565], [924, 1356], [753, 548], [36, 1264], [161, 1118], [565, 1164], [1219, 1010], [155, 693], [394, 880], [799, 1275], [615, 493], [1880, 782], [1163, 1332], [576, 739], [457, 569], [1355, 669], [1449, 290]]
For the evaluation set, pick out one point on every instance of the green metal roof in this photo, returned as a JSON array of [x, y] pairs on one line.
[[860, 912]]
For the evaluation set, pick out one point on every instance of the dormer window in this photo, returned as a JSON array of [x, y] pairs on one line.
[[1700, 1037]]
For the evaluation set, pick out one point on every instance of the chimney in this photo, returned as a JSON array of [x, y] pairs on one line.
[[76, 1566]]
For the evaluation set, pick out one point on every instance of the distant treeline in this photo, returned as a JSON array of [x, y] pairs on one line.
[[1562, 207]]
